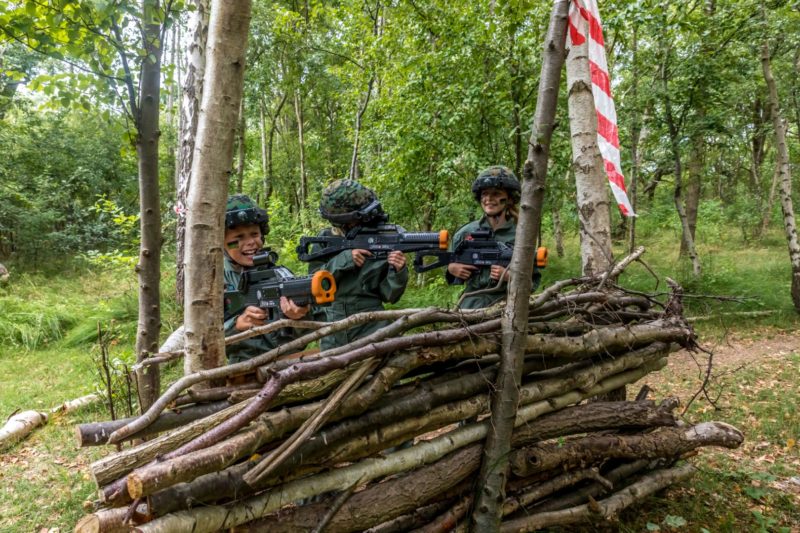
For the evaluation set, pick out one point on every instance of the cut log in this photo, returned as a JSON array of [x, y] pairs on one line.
[[77, 403], [96, 433], [20, 426], [214, 517], [666, 442], [605, 509]]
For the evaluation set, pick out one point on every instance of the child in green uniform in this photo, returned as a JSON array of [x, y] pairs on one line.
[[246, 225], [363, 282], [497, 190]]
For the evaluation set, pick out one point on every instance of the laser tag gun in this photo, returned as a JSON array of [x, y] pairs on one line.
[[265, 283], [379, 240], [479, 249]]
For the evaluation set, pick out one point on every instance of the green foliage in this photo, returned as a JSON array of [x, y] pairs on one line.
[[56, 165], [125, 232]]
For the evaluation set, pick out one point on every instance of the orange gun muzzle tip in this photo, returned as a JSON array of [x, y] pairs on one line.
[[323, 287], [444, 239], [541, 257]]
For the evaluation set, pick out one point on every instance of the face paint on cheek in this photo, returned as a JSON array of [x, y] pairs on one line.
[[232, 245]]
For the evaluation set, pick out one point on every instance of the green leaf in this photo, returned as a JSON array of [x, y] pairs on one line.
[[674, 521], [653, 527], [755, 492]]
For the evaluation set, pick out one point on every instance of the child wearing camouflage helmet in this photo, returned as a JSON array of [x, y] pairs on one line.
[[363, 282], [497, 190], [246, 225]]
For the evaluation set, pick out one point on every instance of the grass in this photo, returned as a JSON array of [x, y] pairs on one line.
[[47, 341], [747, 489]]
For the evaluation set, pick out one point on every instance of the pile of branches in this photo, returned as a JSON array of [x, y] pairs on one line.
[[386, 434]]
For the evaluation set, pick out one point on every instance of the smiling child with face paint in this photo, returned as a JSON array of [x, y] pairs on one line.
[[497, 190], [246, 224]]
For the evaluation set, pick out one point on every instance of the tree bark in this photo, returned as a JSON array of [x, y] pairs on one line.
[[96, 433], [354, 172], [19, 426], [783, 163], [636, 129], [678, 169], [298, 111], [266, 148], [591, 182], [241, 132], [149, 266], [494, 464], [592, 449], [607, 508], [215, 517], [191, 96], [211, 166]]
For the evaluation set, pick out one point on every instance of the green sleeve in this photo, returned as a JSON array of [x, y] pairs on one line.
[[230, 326], [339, 263], [455, 242], [394, 285]]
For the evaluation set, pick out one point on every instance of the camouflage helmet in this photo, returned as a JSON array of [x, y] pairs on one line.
[[240, 209], [497, 177], [349, 202]]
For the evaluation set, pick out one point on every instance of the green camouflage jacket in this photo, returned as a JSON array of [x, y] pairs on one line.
[[254, 346], [481, 280], [357, 290]]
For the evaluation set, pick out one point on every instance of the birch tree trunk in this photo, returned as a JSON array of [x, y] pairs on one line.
[[782, 155], [223, 82], [587, 163], [149, 266], [491, 483], [192, 94]]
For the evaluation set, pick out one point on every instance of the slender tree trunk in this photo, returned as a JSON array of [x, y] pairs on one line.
[[211, 167], [587, 163], [676, 155], [773, 187], [262, 130], [558, 232], [494, 467], [636, 129], [241, 134], [354, 173], [693, 183], [783, 164], [267, 147], [298, 110], [796, 90], [191, 96], [149, 266]]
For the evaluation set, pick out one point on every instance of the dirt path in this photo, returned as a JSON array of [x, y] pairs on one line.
[[685, 371]]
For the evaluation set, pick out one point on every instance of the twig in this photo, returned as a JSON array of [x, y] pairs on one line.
[[704, 385], [284, 451], [337, 504]]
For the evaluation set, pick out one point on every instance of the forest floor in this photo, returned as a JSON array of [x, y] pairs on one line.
[[754, 384]]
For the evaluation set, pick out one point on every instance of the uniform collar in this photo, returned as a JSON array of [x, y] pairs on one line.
[[232, 265], [484, 224]]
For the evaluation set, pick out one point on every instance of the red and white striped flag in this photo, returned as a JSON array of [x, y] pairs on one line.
[[583, 15]]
